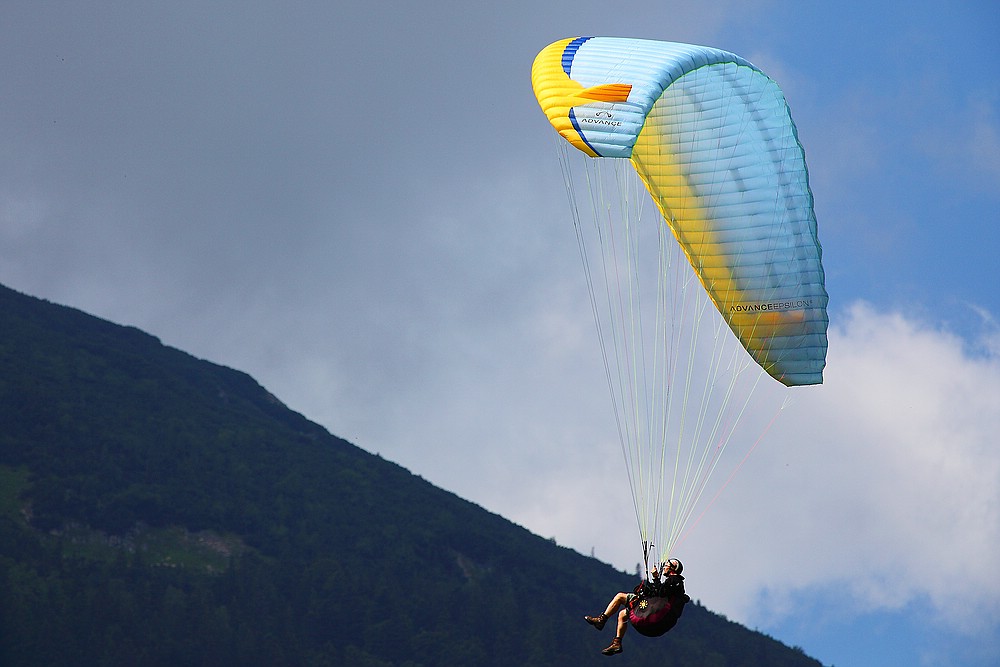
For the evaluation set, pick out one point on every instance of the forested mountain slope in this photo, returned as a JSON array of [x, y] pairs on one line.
[[157, 509]]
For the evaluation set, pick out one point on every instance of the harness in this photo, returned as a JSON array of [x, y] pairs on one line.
[[652, 613]]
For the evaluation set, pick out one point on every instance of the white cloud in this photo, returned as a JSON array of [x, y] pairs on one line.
[[883, 484]]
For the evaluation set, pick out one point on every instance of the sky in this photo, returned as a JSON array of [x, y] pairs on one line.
[[360, 205]]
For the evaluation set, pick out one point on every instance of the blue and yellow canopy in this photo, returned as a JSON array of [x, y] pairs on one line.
[[713, 140]]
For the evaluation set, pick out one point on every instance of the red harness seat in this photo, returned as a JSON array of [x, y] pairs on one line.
[[654, 616]]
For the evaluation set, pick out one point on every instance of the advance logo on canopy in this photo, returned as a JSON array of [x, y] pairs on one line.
[[801, 304]]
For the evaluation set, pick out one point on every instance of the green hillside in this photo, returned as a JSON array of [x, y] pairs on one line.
[[157, 509]]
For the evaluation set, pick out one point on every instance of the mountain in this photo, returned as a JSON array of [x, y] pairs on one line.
[[157, 509]]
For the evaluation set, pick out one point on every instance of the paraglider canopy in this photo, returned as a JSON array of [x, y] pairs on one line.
[[712, 139]]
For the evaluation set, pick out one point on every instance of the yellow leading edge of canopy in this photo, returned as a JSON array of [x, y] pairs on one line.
[[557, 93]]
